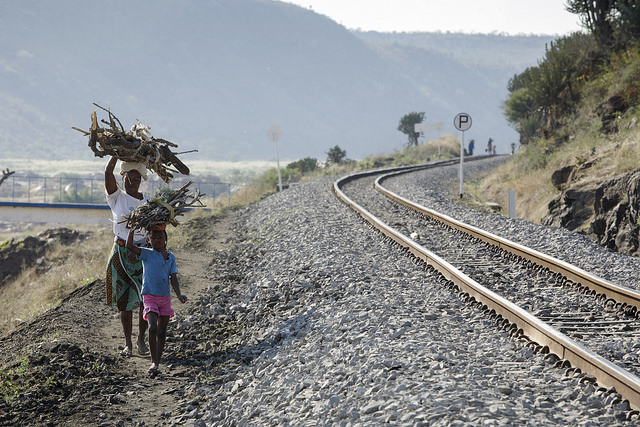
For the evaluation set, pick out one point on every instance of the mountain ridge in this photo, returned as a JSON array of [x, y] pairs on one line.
[[214, 76]]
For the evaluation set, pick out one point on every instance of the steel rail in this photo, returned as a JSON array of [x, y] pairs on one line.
[[600, 286], [606, 373]]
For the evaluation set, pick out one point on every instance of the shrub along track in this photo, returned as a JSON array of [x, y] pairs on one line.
[[488, 269]]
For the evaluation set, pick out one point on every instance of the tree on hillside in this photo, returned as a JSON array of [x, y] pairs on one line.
[[407, 126], [629, 20], [610, 21], [595, 17], [336, 155], [542, 95]]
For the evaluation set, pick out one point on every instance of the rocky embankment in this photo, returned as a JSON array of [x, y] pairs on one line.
[[15, 255], [343, 329], [606, 211]]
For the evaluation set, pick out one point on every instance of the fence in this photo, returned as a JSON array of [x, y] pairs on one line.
[[40, 189]]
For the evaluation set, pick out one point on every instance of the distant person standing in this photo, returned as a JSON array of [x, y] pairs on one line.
[[472, 145], [489, 148], [124, 270]]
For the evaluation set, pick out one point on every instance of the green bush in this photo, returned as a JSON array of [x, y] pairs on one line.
[[542, 97], [336, 155], [305, 165]]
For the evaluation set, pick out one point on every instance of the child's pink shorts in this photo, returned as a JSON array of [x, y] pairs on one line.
[[157, 304]]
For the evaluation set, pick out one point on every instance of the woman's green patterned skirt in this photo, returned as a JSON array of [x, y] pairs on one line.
[[124, 279]]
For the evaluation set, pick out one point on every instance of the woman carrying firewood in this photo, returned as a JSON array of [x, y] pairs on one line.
[[124, 270]]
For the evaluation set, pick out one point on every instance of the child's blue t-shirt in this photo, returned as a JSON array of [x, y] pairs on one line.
[[156, 272]]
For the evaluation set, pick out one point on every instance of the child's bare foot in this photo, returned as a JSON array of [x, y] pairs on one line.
[[142, 347]]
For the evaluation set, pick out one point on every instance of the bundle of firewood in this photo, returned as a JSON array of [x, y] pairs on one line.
[[136, 145], [163, 208]]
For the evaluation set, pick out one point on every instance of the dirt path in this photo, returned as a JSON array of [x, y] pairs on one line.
[[161, 397], [72, 352]]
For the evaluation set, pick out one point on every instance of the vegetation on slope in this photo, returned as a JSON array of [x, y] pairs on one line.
[[578, 106]]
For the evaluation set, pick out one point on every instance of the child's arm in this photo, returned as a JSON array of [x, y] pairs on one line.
[[133, 248], [176, 288]]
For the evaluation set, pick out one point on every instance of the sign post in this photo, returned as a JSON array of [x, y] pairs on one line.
[[512, 203], [274, 133], [462, 122]]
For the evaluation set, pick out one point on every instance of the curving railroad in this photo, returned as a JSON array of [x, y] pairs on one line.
[[589, 324], [342, 327]]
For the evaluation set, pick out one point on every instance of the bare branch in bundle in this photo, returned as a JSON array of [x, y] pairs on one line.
[[137, 145], [6, 174], [164, 208]]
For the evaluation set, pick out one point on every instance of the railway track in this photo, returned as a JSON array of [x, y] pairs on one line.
[[554, 307]]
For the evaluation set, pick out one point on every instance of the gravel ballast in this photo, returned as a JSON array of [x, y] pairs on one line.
[[342, 328]]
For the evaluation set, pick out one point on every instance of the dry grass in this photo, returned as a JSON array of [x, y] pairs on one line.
[[72, 266], [533, 189], [600, 158], [248, 194], [447, 146], [627, 153]]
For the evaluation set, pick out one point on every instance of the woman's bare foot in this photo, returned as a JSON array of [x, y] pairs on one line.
[[142, 347]]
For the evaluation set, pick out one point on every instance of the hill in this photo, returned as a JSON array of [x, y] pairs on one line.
[[215, 75], [462, 73]]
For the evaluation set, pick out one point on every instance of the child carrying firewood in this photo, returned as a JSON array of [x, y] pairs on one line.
[[159, 270]]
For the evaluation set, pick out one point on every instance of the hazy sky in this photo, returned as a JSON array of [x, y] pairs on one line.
[[469, 16]]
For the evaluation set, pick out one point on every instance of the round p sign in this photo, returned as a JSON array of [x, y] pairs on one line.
[[462, 122]]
